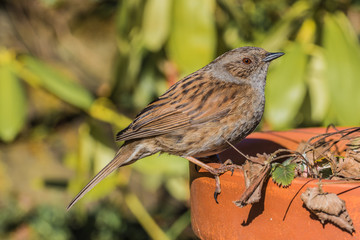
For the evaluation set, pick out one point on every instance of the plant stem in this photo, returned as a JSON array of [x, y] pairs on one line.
[[144, 218]]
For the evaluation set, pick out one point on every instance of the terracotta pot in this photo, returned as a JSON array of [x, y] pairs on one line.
[[280, 214]]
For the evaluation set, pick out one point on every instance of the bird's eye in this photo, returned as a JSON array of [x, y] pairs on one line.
[[246, 60]]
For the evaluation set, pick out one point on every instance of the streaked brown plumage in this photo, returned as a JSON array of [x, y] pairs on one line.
[[222, 102]]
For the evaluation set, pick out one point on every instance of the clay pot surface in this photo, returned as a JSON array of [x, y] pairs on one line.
[[280, 214]]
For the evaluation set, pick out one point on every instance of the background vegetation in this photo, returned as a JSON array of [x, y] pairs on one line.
[[74, 72]]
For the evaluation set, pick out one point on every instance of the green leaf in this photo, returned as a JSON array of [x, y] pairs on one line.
[[318, 87], [285, 87], [59, 84], [12, 102], [156, 23], [284, 173], [342, 53], [165, 169], [279, 34], [179, 225], [163, 164], [178, 187], [193, 37], [92, 156], [144, 91]]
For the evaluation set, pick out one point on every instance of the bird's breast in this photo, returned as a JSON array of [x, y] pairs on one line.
[[245, 114], [244, 118]]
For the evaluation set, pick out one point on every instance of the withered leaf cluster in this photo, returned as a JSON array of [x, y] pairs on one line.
[[321, 157], [326, 156], [313, 153], [328, 207], [256, 171]]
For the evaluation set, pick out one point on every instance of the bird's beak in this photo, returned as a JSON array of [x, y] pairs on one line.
[[271, 56]]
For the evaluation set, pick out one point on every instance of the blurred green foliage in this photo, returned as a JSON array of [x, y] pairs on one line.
[[73, 73]]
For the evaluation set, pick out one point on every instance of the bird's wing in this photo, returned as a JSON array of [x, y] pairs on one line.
[[185, 104]]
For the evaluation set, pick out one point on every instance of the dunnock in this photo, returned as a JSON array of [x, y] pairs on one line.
[[200, 115]]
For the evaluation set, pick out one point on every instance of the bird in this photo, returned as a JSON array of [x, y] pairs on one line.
[[199, 116]]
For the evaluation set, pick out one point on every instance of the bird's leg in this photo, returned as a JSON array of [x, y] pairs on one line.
[[226, 166], [203, 165], [213, 158], [211, 170]]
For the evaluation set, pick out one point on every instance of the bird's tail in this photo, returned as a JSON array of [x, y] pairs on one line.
[[124, 156]]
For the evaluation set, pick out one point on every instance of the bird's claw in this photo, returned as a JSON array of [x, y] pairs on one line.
[[226, 166], [217, 188], [216, 194]]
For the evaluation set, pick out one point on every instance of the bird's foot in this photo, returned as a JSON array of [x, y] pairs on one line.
[[225, 167], [228, 165]]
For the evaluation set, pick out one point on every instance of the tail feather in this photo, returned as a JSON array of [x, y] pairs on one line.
[[122, 158]]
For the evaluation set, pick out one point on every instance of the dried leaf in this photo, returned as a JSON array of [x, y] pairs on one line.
[[327, 207], [348, 167], [251, 171], [354, 144], [315, 200], [255, 175], [354, 154]]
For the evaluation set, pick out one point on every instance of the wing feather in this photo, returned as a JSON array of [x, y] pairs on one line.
[[179, 108]]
